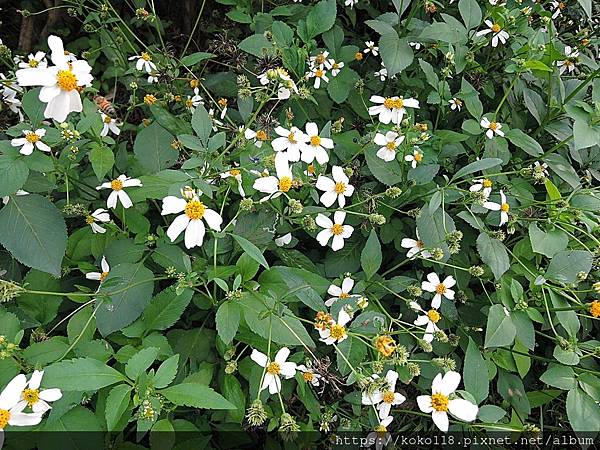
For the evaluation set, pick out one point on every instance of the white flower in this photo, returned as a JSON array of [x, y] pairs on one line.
[[415, 247], [382, 73], [32, 139], [455, 104], [9, 96], [38, 399], [337, 189], [389, 143], [274, 369], [258, 137], [315, 145], [415, 158], [350, 3], [387, 398], [503, 207], [416, 45], [336, 230], [193, 101], [335, 331], [498, 33], [61, 82], [33, 61], [283, 240], [492, 128], [441, 288], [484, 185], [237, 174], [191, 220], [109, 124], [11, 408], [340, 293], [117, 185], [335, 67], [558, 8], [429, 318], [309, 375], [391, 109], [380, 435], [319, 61], [540, 169], [439, 402], [6, 198], [144, 62], [289, 141], [372, 48], [318, 74], [274, 186], [100, 215], [568, 64], [99, 276]]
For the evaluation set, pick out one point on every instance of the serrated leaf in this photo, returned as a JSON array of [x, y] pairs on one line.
[[582, 411], [81, 374], [152, 148], [166, 372], [321, 18], [13, 174], [117, 402], [140, 362], [228, 320], [166, 308], [476, 166], [102, 159], [475, 374], [197, 396], [395, 53], [251, 250]]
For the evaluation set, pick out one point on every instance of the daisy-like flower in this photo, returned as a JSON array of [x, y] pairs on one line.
[[194, 101], [382, 73], [340, 292], [274, 369], [337, 189], [33, 61], [387, 398], [143, 62], [100, 215], [371, 48], [191, 220], [315, 146], [319, 61], [441, 288], [558, 8], [493, 128], [428, 318], [415, 158], [498, 34], [32, 139], [415, 45], [336, 230], [237, 174], [274, 186], [334, 67], [391, 109], [60, 83], [484, 185], [540, 171], [389, 144], [309, 375], [109, 124], [99, 276], [415, 246], [350, 3], [380, 435], [11, 408], [289, 141], [318, 74], [35, 398], [441, 401], [118, 185], [568, 64], [503, 207], [258, 137], [283, 240], [455, 104], [335, 332]]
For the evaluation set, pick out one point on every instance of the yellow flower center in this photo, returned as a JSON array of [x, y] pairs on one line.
[[107, 119], [496, 28], [385, 345], [222, 102], [274, 368], [234, 172], [103, 276], [311, 169], [358, 56], [388, 103], [391, 146], [261, 135], [439, 402], [441, 289], [66, 80], [194, 83], [487, 183], [335, 66], [319, 73], [595, 308], [4, 418], [398, 103], [388, 397], [418, 157], [337, 229], [285, 184], [504, 207], [562, 5], [338, 332], [493, 126], [195, 209], [32, 137], [340, 188], [308, 376], [420, 244], [320, 58], [149, 99], [344, 295], [33, 63], [116, 185], [89, 220], [380, 430], [292, 138], [315, 140], [433, 315], [189, 103], [31, 396], [146, 56], [568, 63]]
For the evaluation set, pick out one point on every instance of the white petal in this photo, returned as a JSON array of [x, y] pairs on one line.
[[339, 217], [194, 234], [111, 202], [324, 236], [288, 369], [36, 379], [427, 286], [449, 281], [339, 175], [47, 93], [440, 418], [328, 198], [282, 355], [12, 392], [213, 219], [337, 243], [179, 224], [450, 382], [268, 185], [424, 402], [20, 419], [259, 358], [347, 285], [172, 205], [312, 129], [325, 184], [104, 265], [125, 199], [323, 221]]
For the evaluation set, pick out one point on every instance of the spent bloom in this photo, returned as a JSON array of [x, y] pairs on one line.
[[99, 215], [275, 369], [309, 375], [335, 332], [415, 158], [484, 185], [100, 276], [568, 64], [415, 246]]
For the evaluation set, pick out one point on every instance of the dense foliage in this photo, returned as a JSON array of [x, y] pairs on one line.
[[328, 216]]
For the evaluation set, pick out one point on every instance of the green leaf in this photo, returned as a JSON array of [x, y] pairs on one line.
[[494, 254], [582, 411], [202, 124], [320, 18], [197, 396], [547, 243], [102, 159], [117, 402], [587, 7], [559, 376], [251, 250], [82, 374], [140, 362], [13, 174], [232, 390], [388, 173], [166, 372], [567, 318], [475, 374], [433, 228], [395, 53], [166, 308], [499, 331], [370, 258], [33, 230], [564, 169], [476, 166], [282, 34], [228, 320], [167, 255], [564, 266], [340, 87], [257, 45], [129, 290], [525, 142], [33, 107], [195, 58], [470, 13], [152, 148], [45, 352]]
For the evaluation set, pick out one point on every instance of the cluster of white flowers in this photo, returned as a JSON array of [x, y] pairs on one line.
[[319, 65], [282, 81]]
